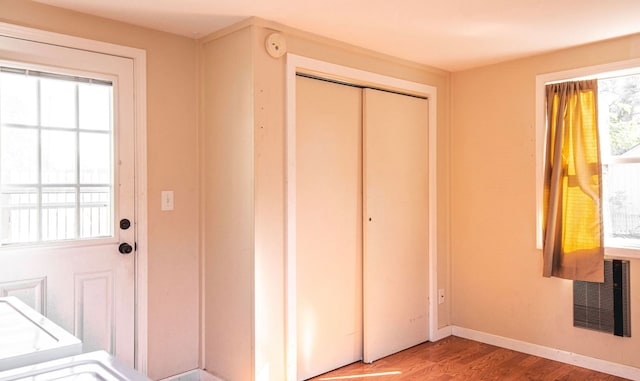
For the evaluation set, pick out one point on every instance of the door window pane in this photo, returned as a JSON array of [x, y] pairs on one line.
[[19, 215], [95, 106], [95, 158], [19, 155], [95, 216], [58, 157], [58, 103], [18, 99], [58, 213]]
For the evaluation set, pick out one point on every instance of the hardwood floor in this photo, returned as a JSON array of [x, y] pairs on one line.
[[455, 358]]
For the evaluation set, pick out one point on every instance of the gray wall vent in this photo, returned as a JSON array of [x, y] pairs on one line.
[[604, 306]]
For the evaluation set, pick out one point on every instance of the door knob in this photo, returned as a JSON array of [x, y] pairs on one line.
[[125, 248], [124, 224]]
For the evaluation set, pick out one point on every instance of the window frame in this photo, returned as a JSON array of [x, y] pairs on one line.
[[619, 68], [78, 241]]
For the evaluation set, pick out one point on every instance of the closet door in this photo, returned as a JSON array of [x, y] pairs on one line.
[[396, 223], [328, 226]]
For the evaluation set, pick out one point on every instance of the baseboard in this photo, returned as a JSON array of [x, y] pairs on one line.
[[193, 375], [206, 376], [441, 334], [582, 361]]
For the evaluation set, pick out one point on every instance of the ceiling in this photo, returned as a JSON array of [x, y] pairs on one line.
[[449, 34]]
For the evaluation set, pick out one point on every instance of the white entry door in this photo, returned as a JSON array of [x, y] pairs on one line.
[[67, 224]]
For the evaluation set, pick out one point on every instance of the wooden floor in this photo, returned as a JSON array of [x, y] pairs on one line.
[[455, 358]]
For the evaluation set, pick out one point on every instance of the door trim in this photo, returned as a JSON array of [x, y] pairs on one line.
[[138, 56], [307, 65]]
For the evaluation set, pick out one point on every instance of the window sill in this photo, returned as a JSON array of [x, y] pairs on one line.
[[622, 252]]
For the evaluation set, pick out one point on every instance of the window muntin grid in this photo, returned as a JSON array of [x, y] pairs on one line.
[[56, 157]]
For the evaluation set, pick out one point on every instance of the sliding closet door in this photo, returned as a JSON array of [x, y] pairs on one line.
[[328, 226], [395, 223]]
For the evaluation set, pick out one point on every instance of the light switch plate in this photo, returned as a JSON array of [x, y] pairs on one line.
[[166, 200]]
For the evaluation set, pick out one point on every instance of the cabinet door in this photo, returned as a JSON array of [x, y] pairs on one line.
[[328, 225], [395, 223]]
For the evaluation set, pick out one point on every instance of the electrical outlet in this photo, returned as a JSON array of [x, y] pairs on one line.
[[440, 295]]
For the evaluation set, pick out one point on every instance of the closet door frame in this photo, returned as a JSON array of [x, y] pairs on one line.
[[299, 64]]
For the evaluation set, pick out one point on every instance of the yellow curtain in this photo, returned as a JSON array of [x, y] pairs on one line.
[[573, 237]]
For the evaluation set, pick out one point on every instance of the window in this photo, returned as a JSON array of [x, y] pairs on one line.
[[56, 167], [619, 122], [619, 127]]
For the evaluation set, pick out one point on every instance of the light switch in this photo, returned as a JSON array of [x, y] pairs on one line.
[[166, 200]]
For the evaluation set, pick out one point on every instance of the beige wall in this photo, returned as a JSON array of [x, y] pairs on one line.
[[172, 165], [269, 220], [497, 282], [228, 123]]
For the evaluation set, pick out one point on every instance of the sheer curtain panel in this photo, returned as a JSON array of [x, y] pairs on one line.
[[573, 237]]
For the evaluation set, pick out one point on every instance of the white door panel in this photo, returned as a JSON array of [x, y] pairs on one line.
[[82, 284], [29, 291], [395, 223], [359, 297], [328, 226]]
